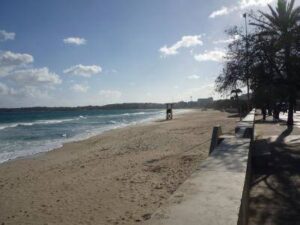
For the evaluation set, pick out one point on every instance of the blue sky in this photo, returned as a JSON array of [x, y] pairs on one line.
[[88, 52]]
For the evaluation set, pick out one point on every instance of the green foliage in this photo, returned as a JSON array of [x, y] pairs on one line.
[[270, 61]]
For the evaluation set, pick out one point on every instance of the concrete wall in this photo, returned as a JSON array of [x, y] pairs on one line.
[[217, 193]]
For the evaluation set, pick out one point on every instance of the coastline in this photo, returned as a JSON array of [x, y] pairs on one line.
[[82, 138], [118, 177]]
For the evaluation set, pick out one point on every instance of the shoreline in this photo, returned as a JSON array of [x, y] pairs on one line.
[[118, 177], [61, 145]]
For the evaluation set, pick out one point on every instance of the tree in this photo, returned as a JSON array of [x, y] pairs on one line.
[[269, 63], [282, 27], [233, 75]]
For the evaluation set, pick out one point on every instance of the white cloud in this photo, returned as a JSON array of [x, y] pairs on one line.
[[29, 84], [75, 41], [110, 94], [80, 88], [4, 35], [227, 41], [214, 55], [5, 90], [249, 3], [33, 77], [81, 70], [193, 77], [221, 12], [33, 92], [24, 85], [9, 58], [185, 42], [241, 5], [15, 95], [168, 51], [10, 61]]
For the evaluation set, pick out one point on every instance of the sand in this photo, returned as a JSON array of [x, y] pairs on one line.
[[119, 177]]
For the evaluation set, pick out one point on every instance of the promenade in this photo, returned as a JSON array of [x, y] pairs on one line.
[[275, 184], [217, 192]]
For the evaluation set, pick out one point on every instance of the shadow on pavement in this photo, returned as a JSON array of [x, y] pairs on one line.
[[275, 184]]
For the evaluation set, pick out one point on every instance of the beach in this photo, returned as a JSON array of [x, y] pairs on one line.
[[119, 177]]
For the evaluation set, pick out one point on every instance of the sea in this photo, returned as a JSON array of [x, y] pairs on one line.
[[23, 134]]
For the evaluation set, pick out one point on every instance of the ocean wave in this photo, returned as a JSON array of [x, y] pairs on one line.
[[127, 114], [23, 148], [132, 114], [35, 148], [38, 122]]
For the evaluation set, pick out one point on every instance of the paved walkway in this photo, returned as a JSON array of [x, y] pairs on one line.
[[275, 184], [214, 194]]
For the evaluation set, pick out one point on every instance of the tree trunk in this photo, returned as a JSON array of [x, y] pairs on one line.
[[290, 120], [238, 105], [248, 96]]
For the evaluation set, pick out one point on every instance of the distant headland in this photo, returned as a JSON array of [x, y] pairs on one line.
[[201, 102]]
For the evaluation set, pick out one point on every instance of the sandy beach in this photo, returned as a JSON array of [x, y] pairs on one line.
[[119, 177]]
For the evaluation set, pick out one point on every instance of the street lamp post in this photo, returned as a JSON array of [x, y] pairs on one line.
[[247, 62]]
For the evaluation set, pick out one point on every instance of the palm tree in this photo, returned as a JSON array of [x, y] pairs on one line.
[[282, 26]]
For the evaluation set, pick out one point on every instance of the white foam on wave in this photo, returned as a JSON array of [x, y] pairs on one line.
[[44, 146], [35, 148], [134, 113], [127, 114], [38, 122]]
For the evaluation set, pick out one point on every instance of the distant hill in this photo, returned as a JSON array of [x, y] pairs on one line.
[[201, 103], [105, 107], [134, 106]]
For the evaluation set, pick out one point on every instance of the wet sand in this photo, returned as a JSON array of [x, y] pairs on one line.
[[119, 177]]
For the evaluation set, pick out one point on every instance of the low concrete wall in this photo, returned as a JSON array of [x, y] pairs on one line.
[[245, 128], [217, 192], [215, 138]]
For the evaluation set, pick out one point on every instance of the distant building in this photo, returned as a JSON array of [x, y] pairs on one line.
[[205, 101]]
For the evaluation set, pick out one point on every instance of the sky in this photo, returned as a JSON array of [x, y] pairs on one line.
[[96, 52]]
